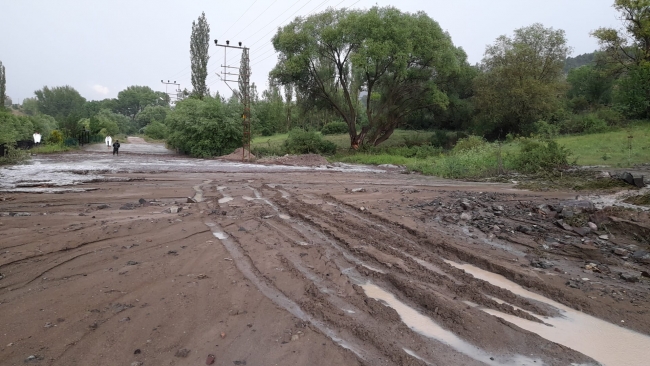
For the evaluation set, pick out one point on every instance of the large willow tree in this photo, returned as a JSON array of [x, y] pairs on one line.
[[380, 62]]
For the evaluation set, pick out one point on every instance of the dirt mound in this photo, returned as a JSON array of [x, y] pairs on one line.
[[237, 155], [296, 160]]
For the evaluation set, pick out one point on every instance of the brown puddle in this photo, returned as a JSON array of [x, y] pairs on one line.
[[428, 328], [604, 342]]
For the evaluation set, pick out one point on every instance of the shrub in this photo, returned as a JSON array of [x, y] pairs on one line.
[[156, 130], [442, 139], [535, 156], [546, 130], [55, 138], [611, 116], [304, 142], [12, 155], [334, 128], [584, 123], [469, 143]]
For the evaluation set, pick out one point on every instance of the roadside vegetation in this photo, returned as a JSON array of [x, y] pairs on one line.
[[405, 94]]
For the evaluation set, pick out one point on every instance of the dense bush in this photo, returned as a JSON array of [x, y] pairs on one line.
[[334, 128], [55, 138], [304, 142], [546, 130], [156, 130], [535, 156], [583, 123], [204, 128], [469, 143]]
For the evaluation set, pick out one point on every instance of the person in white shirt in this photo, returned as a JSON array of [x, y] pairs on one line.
[[109, 142], [37, 138]]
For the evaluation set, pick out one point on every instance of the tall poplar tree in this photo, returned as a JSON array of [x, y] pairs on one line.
[[199, 43], [3, 86]]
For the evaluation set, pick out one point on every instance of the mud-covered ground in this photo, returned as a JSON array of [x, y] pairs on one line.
[[320, 265]]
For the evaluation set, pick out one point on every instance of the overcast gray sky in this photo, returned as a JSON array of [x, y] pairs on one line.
[[102, 46]]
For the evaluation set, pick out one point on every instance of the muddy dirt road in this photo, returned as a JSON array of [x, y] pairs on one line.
[[105, 261]]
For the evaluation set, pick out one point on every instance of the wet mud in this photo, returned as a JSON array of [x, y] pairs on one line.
[[292, 265]]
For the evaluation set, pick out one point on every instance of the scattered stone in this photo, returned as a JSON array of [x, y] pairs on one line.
[[629, 277], [524, 229], [137, 351], [142, 201], [174, 209], [466, 216], [593, 226], [223, 335], [576, 206], [564, 225], [542, 263], [645, 274], [239, 362], [268, 216], [466, 205], [182, 353], [358, 190], [582, 231], [172, 252], [48, 325], [496, 228], [127, 319], [497, 208], [131, 263], [82, 214], [127, 206], [573, 284], [630, 179], [295, 337], [101, 207], [202, 276], [210, 359], [191, 200], [136, 363], [566, 214], [604, 237], [620, 251], [19, 214]]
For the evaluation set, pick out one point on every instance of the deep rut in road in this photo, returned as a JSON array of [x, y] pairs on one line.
[[362, 280]]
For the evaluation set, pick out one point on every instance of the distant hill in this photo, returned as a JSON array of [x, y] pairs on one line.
[[580, 60]]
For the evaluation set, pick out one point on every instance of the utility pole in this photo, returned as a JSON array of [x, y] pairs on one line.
[[174, 94], [243, 81]]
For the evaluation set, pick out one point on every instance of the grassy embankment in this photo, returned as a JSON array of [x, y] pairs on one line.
[[484, 160]]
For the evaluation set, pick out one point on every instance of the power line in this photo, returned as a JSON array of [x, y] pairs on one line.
[[258, 60], [307, 3], [262, 13], [183, 72]]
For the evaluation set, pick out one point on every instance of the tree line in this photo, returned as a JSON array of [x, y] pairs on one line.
[[368, 72]]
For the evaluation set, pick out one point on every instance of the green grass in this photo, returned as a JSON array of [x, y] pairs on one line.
[[342, 141], [51, 149], [611, 148]]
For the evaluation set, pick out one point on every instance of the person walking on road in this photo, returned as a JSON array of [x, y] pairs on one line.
[[109, 141], [116, 147]]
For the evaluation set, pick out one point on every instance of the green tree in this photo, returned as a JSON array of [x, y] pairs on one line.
[[134, 99], [108, 123], [43, 124], [521, 81], [396, 58], [204, 128], [590, 86], [92, 107], [628, 52], [3, 85], [151, 114], [30, 106], [199, 44], [63, 103]]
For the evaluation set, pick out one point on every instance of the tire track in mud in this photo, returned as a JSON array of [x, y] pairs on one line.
[[401, 278], [391, 335]]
